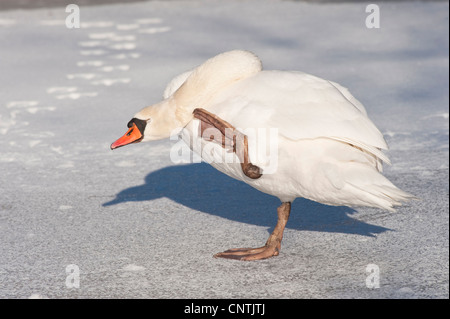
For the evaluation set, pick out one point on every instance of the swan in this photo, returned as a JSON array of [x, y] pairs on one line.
[[287, 134]]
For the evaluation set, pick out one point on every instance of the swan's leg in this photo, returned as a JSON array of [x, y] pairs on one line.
[[230, 138], [272, 246]]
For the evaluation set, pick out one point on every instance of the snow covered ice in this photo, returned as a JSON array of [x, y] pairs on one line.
[[138, 225]]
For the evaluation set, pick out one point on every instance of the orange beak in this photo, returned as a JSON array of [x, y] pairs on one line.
[[133, 135]]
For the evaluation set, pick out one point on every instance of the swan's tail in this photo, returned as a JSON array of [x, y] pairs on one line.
[[382, 196], [375, 190]]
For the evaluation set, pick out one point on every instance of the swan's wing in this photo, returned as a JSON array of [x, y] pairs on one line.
[[346, 93], [301, 106]]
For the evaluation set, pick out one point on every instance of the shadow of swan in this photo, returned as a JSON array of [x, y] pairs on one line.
[[203, 188]]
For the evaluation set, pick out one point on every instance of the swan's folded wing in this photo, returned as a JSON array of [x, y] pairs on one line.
[[303, 106]]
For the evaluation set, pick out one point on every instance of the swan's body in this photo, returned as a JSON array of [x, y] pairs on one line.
[[327, 148]]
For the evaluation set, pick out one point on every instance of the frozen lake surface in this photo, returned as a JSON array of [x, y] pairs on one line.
[[138, 226]]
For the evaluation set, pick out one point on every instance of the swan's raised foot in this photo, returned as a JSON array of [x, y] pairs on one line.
[[251, 170], [230, 138]]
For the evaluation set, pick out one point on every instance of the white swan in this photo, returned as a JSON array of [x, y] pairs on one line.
[[326, 148]]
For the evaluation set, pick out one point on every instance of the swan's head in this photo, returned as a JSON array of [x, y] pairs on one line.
[[153, 122], [135, 133]]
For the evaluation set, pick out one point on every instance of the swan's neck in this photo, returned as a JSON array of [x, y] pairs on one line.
[[212, 77], [162, 120], [199, 89]]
